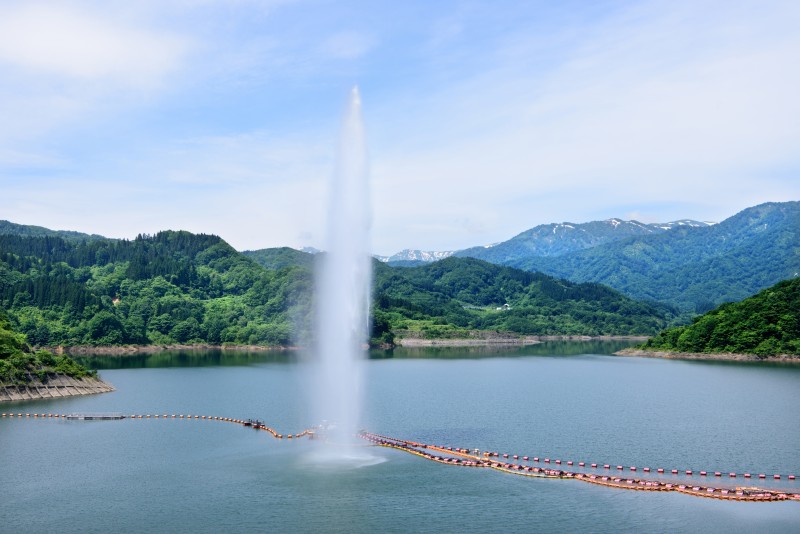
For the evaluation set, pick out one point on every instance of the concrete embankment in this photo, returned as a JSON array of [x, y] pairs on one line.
[[481, 338], [715, 356], [57, 386]]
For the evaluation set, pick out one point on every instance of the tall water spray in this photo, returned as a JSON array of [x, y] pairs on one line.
[[343, 288]]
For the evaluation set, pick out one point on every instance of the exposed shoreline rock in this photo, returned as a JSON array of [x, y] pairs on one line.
[[57, 386], [495, 339], [717, 356]]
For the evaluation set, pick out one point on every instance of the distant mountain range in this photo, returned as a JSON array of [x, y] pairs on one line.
[[546, 240], [689, 264]]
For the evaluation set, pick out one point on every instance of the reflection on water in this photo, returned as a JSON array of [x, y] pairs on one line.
[[235, 358], [546, 348], [187, 358], [562, 400]]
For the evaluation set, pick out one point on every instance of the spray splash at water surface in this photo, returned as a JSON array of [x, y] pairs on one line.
[[343, 282]]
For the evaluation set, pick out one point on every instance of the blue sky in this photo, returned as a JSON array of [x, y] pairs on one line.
[[483, 118]]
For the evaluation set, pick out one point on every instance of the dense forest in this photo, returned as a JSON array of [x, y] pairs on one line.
[[694, 268], [765, 324], [456, 294], [172, 287], [178, 287], [18, 364]]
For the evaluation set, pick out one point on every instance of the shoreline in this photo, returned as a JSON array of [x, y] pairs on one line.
[[500, 340], [56, 387], [708, 356], [489, 340], [130, 350]]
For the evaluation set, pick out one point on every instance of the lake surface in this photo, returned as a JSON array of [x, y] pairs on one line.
[[571, 401]]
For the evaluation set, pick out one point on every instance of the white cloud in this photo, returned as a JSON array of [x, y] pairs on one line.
[[691, 104], [66, 41]]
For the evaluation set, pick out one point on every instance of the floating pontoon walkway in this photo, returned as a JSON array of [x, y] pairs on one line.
[[491, 460]]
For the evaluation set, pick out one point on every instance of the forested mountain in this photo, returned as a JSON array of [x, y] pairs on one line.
[[167, 288], [548, 240], [278, 258], [694, 268], [19, 364], [765, 324], [9, 228], [472, 294], [178, 287]]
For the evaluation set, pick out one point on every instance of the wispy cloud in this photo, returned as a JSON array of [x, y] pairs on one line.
[[74, 43], [483, 121], [678, 106]]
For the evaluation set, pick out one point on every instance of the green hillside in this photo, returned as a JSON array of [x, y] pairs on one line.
[[18, 364], [178, 287], [9, 228], [278, 258], [765, 324], [695, 269], [457, 294], [173, 287]]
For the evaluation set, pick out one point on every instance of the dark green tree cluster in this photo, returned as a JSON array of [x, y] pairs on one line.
[[765, 324], [172, 287], [178, 287], [19, 365], [473, 294]]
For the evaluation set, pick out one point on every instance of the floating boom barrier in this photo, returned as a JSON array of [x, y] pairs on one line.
[[474, 458]]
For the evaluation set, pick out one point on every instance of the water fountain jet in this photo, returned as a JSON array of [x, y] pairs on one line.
[[343, 281]]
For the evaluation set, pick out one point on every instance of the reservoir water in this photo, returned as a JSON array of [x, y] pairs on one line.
[[570, 401]]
